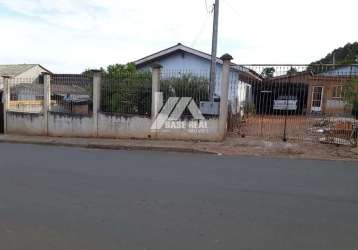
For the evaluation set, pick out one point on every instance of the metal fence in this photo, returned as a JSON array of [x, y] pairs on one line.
[[127, 93], [72, 94], [298, 102], [185, 83], [26, 95]]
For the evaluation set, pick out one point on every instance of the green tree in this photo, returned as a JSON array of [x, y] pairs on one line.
[[268, 72], [345, 55], [118, 70], [89, 72], [126, 90], [350, 94]]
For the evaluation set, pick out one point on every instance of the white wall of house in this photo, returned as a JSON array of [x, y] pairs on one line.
[[186, 62], [32, 75]]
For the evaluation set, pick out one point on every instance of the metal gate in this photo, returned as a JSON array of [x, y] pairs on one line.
[[316, 103]]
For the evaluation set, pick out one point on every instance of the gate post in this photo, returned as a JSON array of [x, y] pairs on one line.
[[156, 103], [6, 99], [47, 100], [224, 97], [97, 78]]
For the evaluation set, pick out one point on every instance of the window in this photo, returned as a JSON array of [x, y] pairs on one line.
[[337, 91]]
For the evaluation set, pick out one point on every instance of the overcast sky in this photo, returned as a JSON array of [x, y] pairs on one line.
[[72, 35]]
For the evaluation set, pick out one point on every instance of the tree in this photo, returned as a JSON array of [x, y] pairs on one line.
[[114, 70], [89, 72], [118, 70], [344, 55], [350, 94], [126, 90], [268, 72], [292, 71]]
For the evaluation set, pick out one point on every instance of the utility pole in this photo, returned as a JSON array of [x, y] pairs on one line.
[[214, 50]]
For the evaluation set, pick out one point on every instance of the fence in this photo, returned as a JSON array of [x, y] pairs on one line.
[[26, 95], [185, 83], [72, 94], [120, 106], [129, 94], [299, 102]]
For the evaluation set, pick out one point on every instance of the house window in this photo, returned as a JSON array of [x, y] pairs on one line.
[[337, 92]]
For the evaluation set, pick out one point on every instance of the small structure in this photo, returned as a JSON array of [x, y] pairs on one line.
[[71, 93], [65, 98], [22, 72]]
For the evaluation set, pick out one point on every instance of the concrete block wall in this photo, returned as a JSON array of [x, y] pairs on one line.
[[109, 126], [25, 123], [65, 125], [124, 127]]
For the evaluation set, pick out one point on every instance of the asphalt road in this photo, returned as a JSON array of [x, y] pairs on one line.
[[67, 198]]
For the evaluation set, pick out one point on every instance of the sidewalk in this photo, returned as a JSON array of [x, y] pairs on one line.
[[232, 146]]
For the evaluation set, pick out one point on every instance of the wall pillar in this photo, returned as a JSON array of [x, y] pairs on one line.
[[47, 100], [97, 78], [6, 99], [224, 97], [157, 99]]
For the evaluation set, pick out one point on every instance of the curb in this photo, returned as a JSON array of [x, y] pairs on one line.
[[111, 147]]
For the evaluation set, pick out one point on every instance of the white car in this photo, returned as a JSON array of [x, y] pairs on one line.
[[285, 103]]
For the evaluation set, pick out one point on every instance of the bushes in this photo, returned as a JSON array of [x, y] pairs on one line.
[[186, 86], [132, 93], [127, 94], [350, 95]]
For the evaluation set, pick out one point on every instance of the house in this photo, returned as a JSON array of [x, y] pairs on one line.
[[326, 90], [22, 73], [180, 60], [272, 91], [315, 92]]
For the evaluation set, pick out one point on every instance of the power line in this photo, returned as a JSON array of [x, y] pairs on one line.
[[202, 28], [204, 23], [232, 7]]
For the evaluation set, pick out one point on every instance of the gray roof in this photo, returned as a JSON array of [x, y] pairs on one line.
[[179, 47], [182, 48], [16, 69]]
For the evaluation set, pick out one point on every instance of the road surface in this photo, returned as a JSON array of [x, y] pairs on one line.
[[67, 198]]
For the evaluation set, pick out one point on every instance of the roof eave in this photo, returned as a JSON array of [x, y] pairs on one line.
[[166, 52]]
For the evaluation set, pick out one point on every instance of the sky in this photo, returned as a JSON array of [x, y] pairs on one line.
[[69, 36]]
